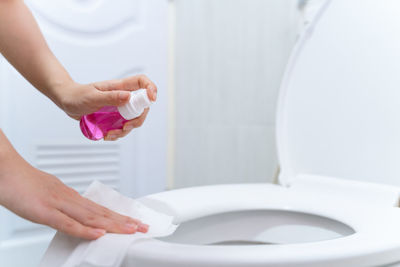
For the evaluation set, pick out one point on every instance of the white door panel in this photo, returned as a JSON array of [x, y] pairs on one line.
[[95, 40]]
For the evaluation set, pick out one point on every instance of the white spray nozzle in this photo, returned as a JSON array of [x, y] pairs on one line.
[[136, 105]]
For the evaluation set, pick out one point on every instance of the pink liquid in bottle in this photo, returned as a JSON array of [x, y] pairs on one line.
[[96, 125]]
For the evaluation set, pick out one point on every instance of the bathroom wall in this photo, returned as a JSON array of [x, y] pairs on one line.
[[228, 59]]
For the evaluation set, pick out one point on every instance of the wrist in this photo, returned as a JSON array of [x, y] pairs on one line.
[[59, 91], [9, 158]]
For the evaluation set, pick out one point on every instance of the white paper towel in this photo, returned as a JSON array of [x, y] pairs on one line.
[[110, 249]]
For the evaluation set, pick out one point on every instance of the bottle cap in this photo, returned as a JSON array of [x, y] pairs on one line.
[[136, 105]]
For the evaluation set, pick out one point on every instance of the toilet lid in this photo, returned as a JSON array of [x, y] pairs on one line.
[[339, 106]]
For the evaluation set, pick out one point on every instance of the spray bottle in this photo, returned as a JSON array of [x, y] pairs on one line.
[[96, 125]]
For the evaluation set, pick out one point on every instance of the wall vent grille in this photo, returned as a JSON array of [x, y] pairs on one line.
[[77, 165]]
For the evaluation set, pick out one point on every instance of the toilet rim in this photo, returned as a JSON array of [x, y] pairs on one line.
[[368, 239]]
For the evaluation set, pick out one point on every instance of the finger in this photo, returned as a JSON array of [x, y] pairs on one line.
[[110, 98], [143, 228], [109, 85], [145, 83], [70, 226], [132, 83], [113, 135], [126, 223], [92, 214], [125, 133], [136, 123], [99, 217]]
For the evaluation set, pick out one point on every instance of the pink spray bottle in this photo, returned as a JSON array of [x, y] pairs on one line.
[[96, 125]]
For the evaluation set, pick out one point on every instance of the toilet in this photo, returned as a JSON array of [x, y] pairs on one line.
[[338, 141]]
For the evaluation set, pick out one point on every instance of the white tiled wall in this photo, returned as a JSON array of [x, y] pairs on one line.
[[229, 59]]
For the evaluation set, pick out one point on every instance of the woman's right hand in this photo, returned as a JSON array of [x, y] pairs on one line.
[[78, 100]]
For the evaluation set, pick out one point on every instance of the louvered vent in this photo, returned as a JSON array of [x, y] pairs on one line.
[[77, 165]]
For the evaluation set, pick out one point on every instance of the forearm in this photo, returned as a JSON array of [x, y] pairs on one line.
[[23, 45]]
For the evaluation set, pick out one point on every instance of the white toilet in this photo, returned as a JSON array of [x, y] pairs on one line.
[[338, 139]]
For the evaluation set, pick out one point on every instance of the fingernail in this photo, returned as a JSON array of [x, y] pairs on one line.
[[112, 137], [143, 228], [155, 96], [128, 128], [98, 232], [131, 227]]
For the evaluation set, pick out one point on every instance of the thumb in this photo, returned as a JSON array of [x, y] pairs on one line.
[[112, 98]]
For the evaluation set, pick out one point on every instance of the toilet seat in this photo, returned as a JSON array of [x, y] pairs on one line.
[[338, 144], [370, 244]]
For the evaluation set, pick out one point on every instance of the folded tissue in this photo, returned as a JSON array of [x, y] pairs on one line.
[[110, 249]]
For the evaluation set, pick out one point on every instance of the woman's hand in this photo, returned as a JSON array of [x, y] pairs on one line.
[[42, 198], [78, 100]]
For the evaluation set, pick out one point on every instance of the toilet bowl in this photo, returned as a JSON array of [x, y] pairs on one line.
[[338, 142]]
